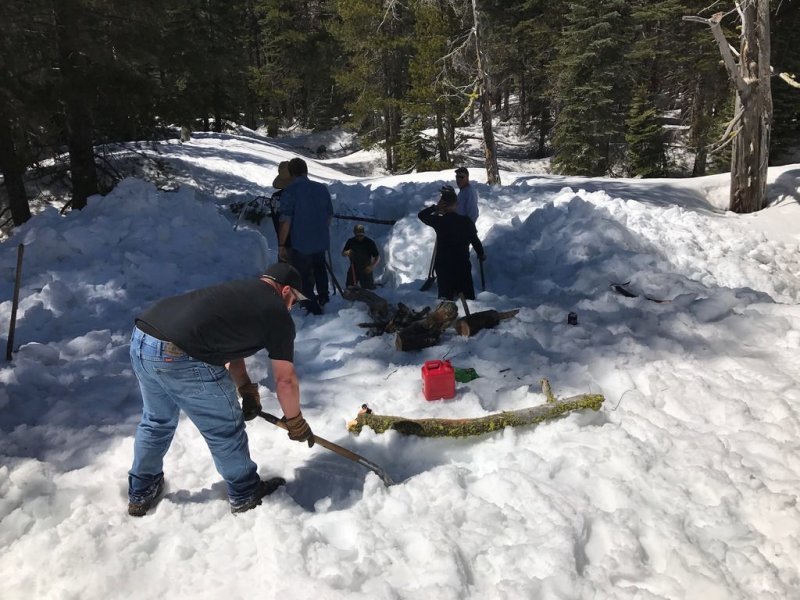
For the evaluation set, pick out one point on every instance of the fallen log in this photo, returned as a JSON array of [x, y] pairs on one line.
[[378, 308], [426, 332], [552, 409], [485, 319]]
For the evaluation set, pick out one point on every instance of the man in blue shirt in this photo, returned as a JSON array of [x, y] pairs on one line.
[[306, 213], [467, 195]]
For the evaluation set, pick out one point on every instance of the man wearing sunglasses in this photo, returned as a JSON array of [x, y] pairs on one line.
[[467, 195], [188, 353]]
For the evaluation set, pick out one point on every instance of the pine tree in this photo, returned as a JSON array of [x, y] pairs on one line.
[[535, 35], [785, 99], [645, 137], [377, 45], [433, 100], [590, 87], [655, 61]]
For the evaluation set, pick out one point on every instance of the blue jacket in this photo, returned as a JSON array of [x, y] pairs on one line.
[[307, 206]]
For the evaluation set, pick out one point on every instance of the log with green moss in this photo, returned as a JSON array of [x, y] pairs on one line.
[[552, 409]]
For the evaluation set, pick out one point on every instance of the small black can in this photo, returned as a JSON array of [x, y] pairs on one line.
[[572, 318]]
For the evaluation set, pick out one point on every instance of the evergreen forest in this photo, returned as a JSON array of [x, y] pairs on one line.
[[603, 87]]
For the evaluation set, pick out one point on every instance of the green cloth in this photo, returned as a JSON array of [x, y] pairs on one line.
[[465, 375]]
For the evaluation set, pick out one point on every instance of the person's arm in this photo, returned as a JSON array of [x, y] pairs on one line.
[[346, 250], [428, 215], [238, 372], [376, 257], [472, 204], [287, 387], [283, 235], [476, 243], [287, 212], [251, 398], [329, 207]]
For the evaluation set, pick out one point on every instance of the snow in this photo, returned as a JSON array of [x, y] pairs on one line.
[[684, 485]]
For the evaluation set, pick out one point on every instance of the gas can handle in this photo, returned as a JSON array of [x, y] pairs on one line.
[[434, 364]]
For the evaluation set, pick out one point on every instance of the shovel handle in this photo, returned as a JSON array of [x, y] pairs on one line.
[[348, 454]]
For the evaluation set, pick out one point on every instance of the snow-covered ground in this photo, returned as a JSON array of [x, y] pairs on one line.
[[684, 485]]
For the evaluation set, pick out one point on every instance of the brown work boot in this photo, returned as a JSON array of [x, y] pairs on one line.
[[138, 507], [265, 488]]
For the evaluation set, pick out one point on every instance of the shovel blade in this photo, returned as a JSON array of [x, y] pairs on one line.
[[428, 284]]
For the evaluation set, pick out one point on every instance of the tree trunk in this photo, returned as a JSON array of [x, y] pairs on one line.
[[699, 126], [486, 319], [13, 169], [753, 114], [523, 101], [552, 409], [77, 100], [750, 155], [542, 133], [444, 154], [489, 146], [451, 132]]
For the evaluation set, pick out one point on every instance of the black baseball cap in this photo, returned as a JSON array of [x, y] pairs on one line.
[[448, 195], [285, 274]]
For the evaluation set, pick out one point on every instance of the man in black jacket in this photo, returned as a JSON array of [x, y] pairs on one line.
[[454, 234]]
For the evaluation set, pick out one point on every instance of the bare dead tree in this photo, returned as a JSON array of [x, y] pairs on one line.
[[468, 50], [749, 130]]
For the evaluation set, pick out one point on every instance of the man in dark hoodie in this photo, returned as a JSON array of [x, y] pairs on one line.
[[454, 235]]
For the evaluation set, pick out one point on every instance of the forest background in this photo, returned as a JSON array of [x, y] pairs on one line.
[[604, 87]]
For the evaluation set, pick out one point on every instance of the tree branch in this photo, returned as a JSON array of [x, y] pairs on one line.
[[787, 77], [724, 49], [552, 409]]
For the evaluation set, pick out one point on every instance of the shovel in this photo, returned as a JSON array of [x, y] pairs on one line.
[[337, 449], [431, 275], [336, 285]]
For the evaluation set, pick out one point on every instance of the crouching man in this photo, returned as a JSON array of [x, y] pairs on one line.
[[188, 354]]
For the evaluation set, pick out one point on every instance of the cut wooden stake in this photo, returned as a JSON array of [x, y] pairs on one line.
[[13, 324]]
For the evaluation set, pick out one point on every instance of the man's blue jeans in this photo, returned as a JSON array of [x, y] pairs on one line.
[[171, 381]]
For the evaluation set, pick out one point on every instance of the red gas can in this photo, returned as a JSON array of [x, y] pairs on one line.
[[438, 380]]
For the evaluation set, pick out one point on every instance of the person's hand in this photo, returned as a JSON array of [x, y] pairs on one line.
[[347, 253], [251, 400], [368, 269], [299, 431]]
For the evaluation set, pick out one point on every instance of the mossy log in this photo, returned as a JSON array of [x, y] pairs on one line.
[[486, 319], [552, 409]]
